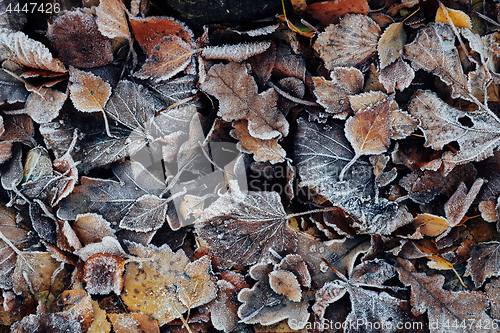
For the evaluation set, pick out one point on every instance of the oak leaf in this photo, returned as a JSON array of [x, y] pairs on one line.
[[75, 36], [475, 131], [350, 43], [237, 93]]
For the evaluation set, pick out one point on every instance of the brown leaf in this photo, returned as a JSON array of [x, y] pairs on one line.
[[243, 228], [349, 43], [263, 150], [441, 305], [433, 50], [75, 36], [149, 286], [285, 283], [484, 262], [145, 214], [430, 225], [459, 203], [92, 228], [5, 151], [369, 131], [170, 56], [390, 44], [44, 105], [89, 93], [197, 286], [111, 19], [13, 89], [475, 131], [103, 274], [235, 52], [78, 304], [334, 94], [47, 322], [223, 309], [21, 49], [133, 323], [328, 12], [237, 93], [33, 273], [150, 31], [17, 128], [100, 324], [398, 75], [493, 291]]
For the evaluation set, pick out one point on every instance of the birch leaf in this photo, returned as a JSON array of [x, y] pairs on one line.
[[89, 93], [391, 43], [111, 19], [458, 18]]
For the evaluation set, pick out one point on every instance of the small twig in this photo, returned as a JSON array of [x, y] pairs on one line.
[[290, 97]]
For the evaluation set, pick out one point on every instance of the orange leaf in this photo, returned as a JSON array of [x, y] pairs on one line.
[[457, 17], [328, 12], [430, 225]]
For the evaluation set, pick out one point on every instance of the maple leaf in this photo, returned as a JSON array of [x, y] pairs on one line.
[[475, 131], [433, 50], [75, 36], [441, 305], [484, 262], [21, 49], [149, 287], [237, 93], [243, 228], [368, 305], [333, 94], [351, 42]]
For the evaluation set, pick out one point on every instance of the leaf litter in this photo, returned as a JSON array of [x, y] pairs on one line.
[[265, 176]]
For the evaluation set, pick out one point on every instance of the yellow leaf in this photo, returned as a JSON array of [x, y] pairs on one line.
[[391, 43], [430, 225], [443, 264], [459, 18]]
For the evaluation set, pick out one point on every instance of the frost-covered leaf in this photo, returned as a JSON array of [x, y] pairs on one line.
[[5, 151], [109, 245], [197, 286], [243, 228], [33, 273], [149, 286], [103, 274], [349, 43], [12, 90], [45, 105], [398, 75], [334, 94], [235, 52], [17, 128], [434, 51], [264, 306], [169, 57], [441, 305], [223, 309], [133, 323], [237, 93], [78, 304], [476, 132], [459, 203], [75, 36], [111, 19], [109, 198], [92, 228], [47, 322], [100, 324], [145, 214], [390, 44], [89, 93], [321, 152], [21, 49], [8, 256], [285, 283], [263, 150], [484, 262]]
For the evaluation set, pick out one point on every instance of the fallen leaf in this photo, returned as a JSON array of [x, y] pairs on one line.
[[328, 12], [334, 94], [350, 43], [149, 286], [441, 305], [285, 283], [33, 273], [484, 262], [92, 228], [237, 93], [103, 274], [47, 322], [235, 52], [17, 128], [5, 151], [391, 43], [474, 131], [243, 228], [197, 286], [12, 89], [111, 19], [263, 150], [459, 203], [430, 225], [78, 304], [21, 49], [133, 323], [89, 93], [100, 324], [369, 132], [44, 105], [223, 309], [75, 36], [433, 50], [493, 292], [398, 75], [457, 17]]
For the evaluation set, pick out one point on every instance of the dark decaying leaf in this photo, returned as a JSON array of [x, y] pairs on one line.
[[484, 262], [12, 89], [243, 228], [47, 322], [75, 36], [103, 273]]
